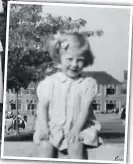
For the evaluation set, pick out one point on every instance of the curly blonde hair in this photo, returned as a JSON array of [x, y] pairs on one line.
[[67, 41]]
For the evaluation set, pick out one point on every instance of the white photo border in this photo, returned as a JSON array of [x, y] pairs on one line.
[[128, 80]]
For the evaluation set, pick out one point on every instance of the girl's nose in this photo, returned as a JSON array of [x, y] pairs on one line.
[[74, 64]]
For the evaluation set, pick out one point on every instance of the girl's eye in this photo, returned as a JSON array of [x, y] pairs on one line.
[[80, 60], [69, 59]]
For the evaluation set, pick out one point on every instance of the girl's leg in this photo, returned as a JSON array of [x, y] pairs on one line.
[[76, 150], [45, 150]]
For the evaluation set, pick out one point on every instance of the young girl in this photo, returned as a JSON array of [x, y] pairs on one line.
[[64, 119]]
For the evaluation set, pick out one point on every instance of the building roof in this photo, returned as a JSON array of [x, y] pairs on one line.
[[103, 77]]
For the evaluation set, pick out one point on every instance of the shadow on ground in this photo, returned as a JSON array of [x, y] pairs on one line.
[[106, 136]]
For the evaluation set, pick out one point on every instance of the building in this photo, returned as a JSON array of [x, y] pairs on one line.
[[27, 99], [110, 94]]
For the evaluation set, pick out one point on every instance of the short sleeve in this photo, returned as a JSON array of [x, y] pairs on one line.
[[90, 90], [44, 90]]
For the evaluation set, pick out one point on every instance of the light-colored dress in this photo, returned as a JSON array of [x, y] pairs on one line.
[[64, 97]]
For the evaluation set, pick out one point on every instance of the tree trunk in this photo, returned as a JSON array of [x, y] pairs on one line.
[[17, 129]]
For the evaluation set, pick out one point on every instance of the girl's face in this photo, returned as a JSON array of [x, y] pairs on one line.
[[72, 64]]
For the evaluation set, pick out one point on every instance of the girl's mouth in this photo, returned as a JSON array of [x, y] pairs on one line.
[[74, 70]]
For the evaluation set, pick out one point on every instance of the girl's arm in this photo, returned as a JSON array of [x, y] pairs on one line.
[[41, 116], [85, 109], [83, 116], [41, 121]]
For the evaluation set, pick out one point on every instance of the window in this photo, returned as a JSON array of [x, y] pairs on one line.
[[13, 106], [31, 101], [110, 90], [96, 105], [31, 104], [110, 101], [110, 104]]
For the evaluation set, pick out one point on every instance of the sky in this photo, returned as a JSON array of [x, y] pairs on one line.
[[111, 49]]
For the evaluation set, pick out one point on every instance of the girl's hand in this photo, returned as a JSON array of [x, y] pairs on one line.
[[41, 135], [73, 136], [44, 135]]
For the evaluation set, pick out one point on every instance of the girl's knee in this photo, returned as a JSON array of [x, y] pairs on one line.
[[45, 150], [76, 150]]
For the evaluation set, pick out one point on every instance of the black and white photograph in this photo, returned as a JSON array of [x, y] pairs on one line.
[[66, 84]]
